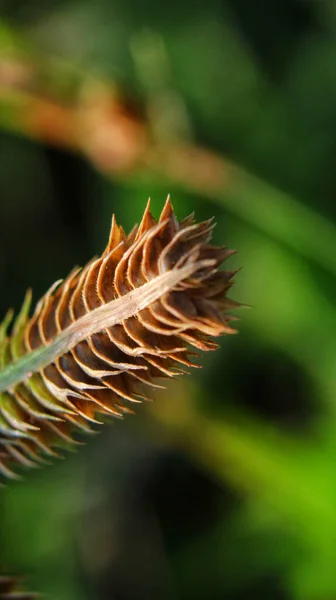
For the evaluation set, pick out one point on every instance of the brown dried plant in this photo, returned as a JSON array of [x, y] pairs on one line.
[[98, 339]]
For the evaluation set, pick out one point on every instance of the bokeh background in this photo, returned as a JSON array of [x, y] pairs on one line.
[[225, 486]]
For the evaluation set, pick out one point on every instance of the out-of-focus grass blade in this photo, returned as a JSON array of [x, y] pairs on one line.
[[280, 216], [289, 310], [290, 483]]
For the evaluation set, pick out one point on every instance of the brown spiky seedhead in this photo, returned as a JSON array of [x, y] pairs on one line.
[[10, 590], [108, 369]]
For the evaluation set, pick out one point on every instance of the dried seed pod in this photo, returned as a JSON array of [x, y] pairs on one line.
[[162, 285]]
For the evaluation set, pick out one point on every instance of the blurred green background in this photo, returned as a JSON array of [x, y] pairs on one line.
[[225, 487]]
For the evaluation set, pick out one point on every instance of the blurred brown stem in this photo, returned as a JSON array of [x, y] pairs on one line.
[[91, 117]]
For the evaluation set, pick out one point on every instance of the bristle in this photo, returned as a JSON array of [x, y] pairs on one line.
[[147, 221], [109, 371], [116, 236]]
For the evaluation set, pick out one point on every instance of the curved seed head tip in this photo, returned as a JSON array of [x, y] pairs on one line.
[[110, 332]]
